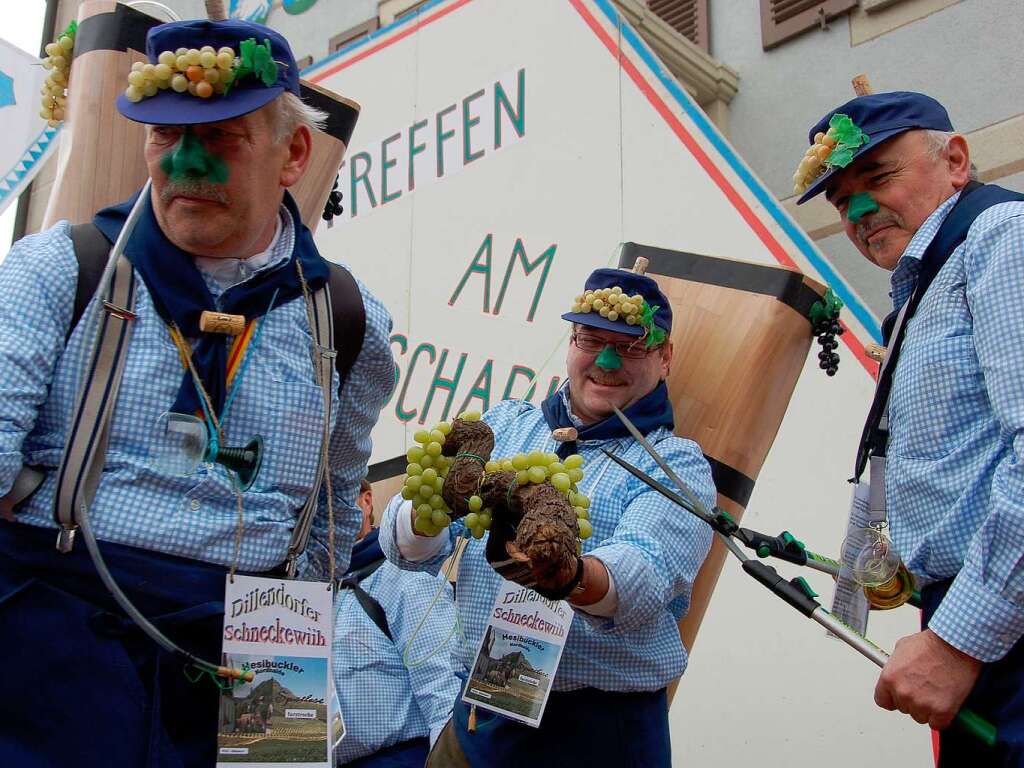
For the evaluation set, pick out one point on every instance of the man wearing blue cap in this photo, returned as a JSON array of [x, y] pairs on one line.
[[226, 135], [945, 435], [608, 703]]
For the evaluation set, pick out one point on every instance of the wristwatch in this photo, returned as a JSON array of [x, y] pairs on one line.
[[580, 587]]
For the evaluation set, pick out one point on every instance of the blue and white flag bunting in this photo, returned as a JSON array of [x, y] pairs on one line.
[[28, 140]]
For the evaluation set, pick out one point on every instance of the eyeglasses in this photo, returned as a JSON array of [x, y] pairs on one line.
[[633, 350]]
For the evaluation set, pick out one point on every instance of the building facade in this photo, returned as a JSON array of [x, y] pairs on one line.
[[763, 70]]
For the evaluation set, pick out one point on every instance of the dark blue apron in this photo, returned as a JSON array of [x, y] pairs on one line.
[[583, 727], [998, 696], [82, 685]]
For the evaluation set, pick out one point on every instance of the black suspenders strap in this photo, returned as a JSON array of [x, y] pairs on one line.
[[349, 318], [91, 251], [370, 606]]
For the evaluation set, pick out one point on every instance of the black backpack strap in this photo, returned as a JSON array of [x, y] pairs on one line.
[[370, 606], [91, 250], [349, 319], [974, 200]]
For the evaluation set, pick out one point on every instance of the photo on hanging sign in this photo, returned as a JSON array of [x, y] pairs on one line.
[[519, 654], [279, 717]]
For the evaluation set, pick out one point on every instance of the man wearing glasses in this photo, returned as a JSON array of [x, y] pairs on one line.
[[608, 703]]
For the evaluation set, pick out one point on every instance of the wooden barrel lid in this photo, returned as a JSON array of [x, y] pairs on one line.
[[741, 334]]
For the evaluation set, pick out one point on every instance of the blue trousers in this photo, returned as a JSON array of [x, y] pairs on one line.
[[586, 727], [998, 696], [82, 685], [404, 754]]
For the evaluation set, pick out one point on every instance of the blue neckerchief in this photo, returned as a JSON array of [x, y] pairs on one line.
[[651, 411], [180, 294], [365, 552]]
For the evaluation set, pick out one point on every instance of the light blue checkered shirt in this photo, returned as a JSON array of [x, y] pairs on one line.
[[954, 473], [137, 504], [652, 548], [388, 694]]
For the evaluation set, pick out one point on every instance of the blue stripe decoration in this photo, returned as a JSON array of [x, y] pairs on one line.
[[21, 168], [763, 196]]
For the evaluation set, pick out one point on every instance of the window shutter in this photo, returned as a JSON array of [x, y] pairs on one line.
[[411, 9], [783, 19], [687, 17], [352, 34]]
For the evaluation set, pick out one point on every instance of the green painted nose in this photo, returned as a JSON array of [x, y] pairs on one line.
[[609, 359], [860, 205]]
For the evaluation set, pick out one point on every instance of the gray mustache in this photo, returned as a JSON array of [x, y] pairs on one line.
[[199, 189], [882, 218]]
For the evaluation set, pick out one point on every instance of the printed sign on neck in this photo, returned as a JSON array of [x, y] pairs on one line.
[[280, 630], [519, 654]]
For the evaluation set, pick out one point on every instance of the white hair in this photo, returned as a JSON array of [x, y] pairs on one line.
[[937, 144], [288, 112]]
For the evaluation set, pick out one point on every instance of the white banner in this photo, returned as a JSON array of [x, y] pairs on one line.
[[28, 140]]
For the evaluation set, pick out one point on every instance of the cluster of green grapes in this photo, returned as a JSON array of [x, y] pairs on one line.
[[538, 467], [612, 304], [200, 71], [428, 468], [58, 61], [425, 474]]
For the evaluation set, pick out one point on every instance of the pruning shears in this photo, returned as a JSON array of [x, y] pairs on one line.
[[788, 547], [796, 592]]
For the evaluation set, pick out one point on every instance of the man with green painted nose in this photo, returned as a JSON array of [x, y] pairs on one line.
[[944, 437], [632, 579], [213, 183], [216, 233], [616, 358]]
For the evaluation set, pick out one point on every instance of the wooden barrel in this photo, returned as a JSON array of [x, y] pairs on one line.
[[100, 161], [329, 147], [741, 334]]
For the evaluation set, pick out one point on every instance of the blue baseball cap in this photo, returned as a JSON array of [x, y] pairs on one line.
[[631, 284], [246, 94], [881, 116]]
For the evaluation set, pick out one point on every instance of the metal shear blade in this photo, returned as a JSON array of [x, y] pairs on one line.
[[698, 508]]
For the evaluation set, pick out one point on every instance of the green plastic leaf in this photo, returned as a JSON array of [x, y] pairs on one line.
[[849, 138], [246, 56], [253, 59], [647, 315], [264, 64], [840, 157], [653, 334], [845, 131], [826, 308]]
